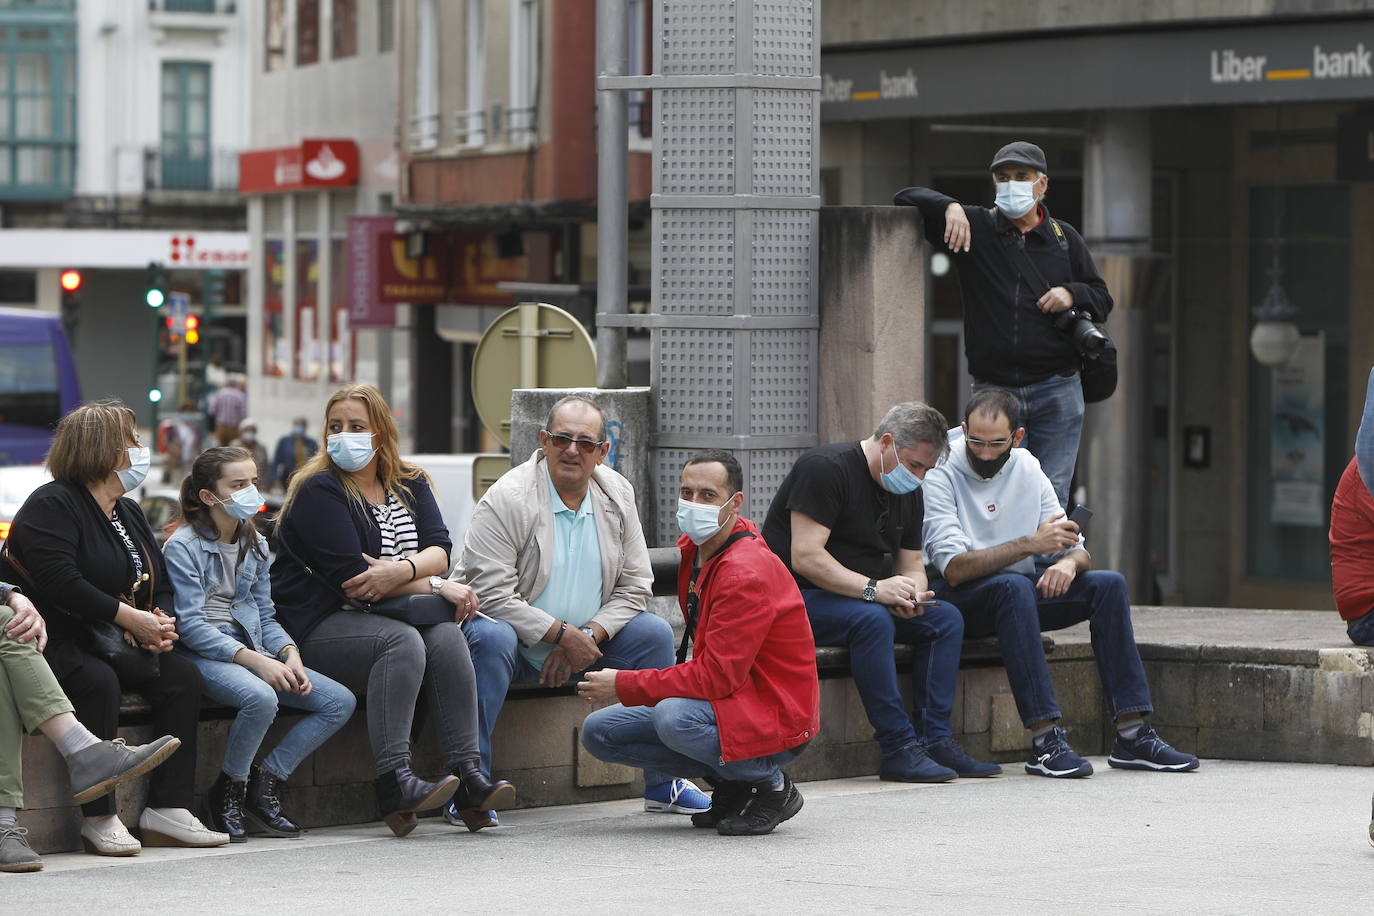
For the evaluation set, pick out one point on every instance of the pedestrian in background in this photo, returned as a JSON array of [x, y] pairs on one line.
[[248, 441], [293, 451], [228, 407]]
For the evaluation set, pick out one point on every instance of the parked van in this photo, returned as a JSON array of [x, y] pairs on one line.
[[38, 383]]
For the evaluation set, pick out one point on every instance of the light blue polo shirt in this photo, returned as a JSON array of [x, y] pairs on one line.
[[573, 592]]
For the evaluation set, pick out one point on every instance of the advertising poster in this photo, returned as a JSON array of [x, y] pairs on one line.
[[1297, 436]]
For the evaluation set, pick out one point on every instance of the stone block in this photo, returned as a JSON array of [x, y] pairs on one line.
[[834, 703], [45, 774], [835, 761], [1181, 737], [856, 724], [1078, 689], [1173, 688], [1259, 655], [1230, 698], [1352, 659], [1290, 700], [52, 829], [1006, 733], [537, 732], [332, 805], [1168, 652], [594, 772], [344, 759], [978, 686], [211, 739]]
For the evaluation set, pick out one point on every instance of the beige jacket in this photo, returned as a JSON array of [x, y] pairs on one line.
[[508, 550]]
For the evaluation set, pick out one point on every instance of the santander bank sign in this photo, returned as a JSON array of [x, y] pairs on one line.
[[313, 164]]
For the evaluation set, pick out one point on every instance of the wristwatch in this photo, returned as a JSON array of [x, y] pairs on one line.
[[589, 631], [435, 583], [871, 590]]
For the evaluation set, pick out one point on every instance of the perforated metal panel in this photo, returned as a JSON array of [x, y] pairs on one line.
[[696, 37], [696, 270], [734, 290]]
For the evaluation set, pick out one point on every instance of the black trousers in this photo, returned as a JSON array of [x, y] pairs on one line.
[[94, 690]]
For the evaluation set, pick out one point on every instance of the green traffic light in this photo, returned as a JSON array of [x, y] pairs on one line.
[[154, 395], [155, 298]]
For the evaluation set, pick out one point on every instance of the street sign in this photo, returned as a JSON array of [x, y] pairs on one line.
[[178, 307], [534, 345]]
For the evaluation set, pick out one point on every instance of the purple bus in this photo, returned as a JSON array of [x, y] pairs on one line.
[[38, 383]]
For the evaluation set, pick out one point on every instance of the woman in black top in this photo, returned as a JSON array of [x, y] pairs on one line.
[[86, 553], [360, 525]]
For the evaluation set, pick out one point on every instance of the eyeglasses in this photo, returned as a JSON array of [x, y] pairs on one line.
[[984, 443], [561, 442]]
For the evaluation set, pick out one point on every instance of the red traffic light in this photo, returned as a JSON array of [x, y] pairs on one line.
[[71, 280], [192, 322]]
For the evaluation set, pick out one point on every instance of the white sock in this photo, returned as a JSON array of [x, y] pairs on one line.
[[178, 815], [103, 823], [76, 738], [7, 817], [1038, 735], [1129, 729]]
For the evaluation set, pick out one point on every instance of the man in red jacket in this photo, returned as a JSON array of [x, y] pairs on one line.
[[1352, 536], [748, 701]]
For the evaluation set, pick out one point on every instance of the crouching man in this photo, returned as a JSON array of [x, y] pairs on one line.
[[748, 701]]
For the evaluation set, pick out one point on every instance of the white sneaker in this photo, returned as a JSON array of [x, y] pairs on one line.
[[107, 836], [160, 830]]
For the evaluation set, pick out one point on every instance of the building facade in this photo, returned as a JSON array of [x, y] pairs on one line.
[[1215, 163]]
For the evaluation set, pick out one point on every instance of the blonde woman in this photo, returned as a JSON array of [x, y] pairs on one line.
[[360, 525]]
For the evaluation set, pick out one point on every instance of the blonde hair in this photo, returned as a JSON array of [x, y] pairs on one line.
[[90, 441], [392, 472]]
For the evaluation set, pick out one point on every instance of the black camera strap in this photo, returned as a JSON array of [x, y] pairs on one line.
[[694, 593], [1024, 266]]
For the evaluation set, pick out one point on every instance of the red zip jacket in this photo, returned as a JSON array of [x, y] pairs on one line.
[[754, 657], [1352, 545]]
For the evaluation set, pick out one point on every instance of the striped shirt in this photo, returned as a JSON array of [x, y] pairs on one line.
[[229, 406], [399, 537]]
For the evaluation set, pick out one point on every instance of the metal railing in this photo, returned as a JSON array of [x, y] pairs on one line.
[[470, 127], [424, 132], [495, 124], [152, 168], [228, 7]]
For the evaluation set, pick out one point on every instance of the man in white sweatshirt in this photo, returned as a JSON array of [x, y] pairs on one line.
[[1014, 565]]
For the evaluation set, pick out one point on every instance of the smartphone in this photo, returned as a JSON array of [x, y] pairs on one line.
[[931, 603], [1080, 516]]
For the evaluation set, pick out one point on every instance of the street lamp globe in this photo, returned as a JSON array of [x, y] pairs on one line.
[[1273, 343]]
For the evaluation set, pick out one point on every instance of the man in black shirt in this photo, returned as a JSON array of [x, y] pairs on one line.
[[847, 522], [1010, 337]]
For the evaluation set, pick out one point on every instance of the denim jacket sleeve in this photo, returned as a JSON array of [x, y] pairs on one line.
[[274, 636], [188, 584]]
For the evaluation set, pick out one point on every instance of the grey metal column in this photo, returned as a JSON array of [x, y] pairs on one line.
[[735, 200], [1113, 459], [612, 204]]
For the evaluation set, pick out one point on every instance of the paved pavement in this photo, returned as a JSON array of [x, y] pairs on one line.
[[1233, 837]]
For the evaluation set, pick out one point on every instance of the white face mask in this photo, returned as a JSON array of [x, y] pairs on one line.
[[1015, 198], [698, 521], [140, 459]]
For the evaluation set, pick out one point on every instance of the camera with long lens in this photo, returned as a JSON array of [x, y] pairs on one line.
[[1087, 339]]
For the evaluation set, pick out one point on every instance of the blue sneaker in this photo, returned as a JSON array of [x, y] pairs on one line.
[[912, 764], [455, 818], [948, 753], [1148, 751], [676, 796], [1052, 756]]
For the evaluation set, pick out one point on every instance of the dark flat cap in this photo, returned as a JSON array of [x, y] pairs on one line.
[[1020, 152]]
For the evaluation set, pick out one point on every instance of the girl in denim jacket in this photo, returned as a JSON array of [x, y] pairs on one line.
[[218, 566]]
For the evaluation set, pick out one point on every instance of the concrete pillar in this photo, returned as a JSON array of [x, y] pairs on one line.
[[1113, 459], [872, 307]]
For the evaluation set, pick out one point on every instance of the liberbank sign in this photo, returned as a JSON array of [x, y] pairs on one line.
[[1278, 62]]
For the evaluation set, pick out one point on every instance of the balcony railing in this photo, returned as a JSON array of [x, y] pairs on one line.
[[227, 7], [496, 124], [150, 168]]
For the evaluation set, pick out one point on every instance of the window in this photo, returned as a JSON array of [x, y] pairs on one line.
[[524, 71], [274, 36], [386, 26], [185, 150], [424, 124], [345, 28], [189, 6], [472, 123], [307, 32], [37, 108]]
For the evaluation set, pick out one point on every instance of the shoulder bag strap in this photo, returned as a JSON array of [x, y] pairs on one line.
[[694, 593]]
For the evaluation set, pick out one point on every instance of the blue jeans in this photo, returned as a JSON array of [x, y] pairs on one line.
[[1007, 606], [329, 704], [869, 630], [679, 736], [1052, 412], [644, 642], [1361, 630]]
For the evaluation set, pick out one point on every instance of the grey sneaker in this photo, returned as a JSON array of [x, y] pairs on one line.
[[100, 767], [15, 852]]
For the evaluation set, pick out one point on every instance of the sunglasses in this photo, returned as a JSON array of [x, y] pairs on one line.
[[561, 442]]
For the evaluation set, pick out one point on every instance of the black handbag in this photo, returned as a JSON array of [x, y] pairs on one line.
[[416, 610], [1097, 371], [104, 639]]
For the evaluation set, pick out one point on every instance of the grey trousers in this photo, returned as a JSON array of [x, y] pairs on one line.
[[388, 662]]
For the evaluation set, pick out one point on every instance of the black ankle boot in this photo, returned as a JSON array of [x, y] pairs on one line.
[[262, 807], [478, 795], [224, 804], [401, 793], [727, 800]]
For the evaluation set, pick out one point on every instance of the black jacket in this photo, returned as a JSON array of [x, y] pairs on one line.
[[1007, 339], [330, 532], [78, 564]]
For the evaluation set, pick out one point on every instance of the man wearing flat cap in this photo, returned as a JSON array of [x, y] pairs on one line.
[[1011, 337]]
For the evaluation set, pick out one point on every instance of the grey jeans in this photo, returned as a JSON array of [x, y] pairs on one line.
[[389, 661]]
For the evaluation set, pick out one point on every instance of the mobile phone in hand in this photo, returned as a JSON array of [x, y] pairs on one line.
[[931, 603], [1080, 516]]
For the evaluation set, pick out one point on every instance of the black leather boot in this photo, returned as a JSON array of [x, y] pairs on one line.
[[478, 795], [401, 793], [224, 805], [263, 805]]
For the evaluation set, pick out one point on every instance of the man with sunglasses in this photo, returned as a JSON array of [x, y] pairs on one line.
[[556, 554], [847, 523], [1014, 565]]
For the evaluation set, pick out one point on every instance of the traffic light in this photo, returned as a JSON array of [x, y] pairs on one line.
[[156, 285], [212, 293], [193, 329], [154, 395], [70, 280]]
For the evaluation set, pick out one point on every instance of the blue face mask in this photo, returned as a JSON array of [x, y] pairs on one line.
[[1015, 198], [243, 504], [898, 481], [698, 521], [298, 429], [351, 451], [140, 459]]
